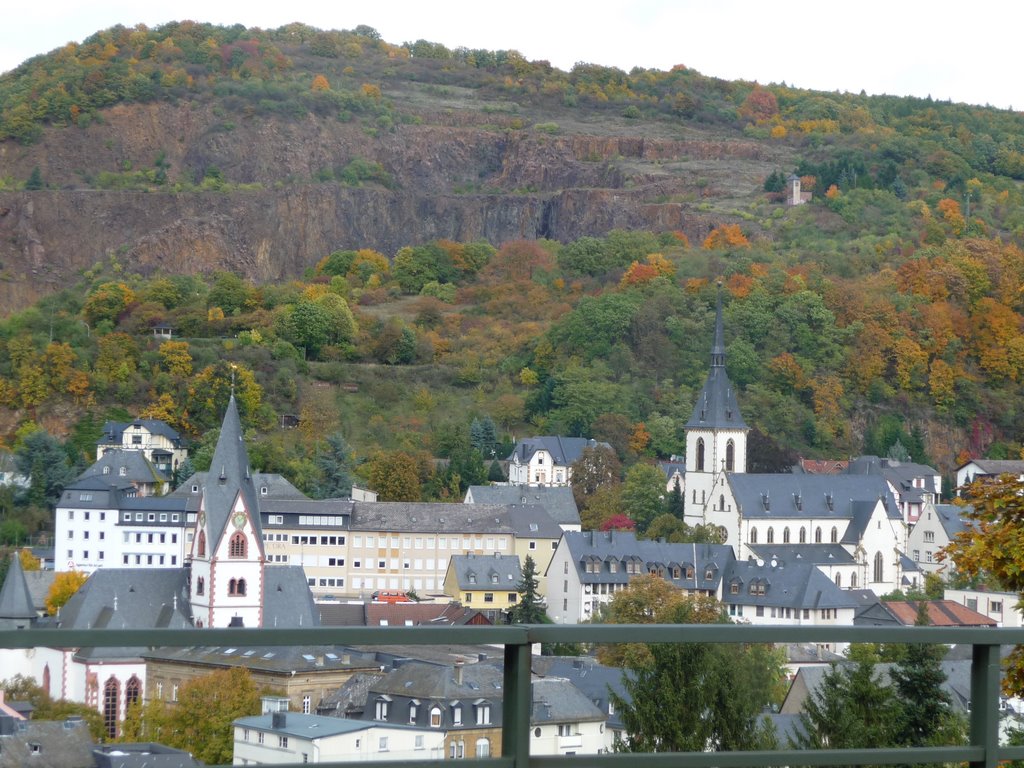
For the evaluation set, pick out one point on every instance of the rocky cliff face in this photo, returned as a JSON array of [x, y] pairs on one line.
[[450, 179]]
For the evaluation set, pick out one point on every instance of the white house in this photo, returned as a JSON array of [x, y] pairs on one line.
[[976, 468], [546, 460], [157, 441], [292, 737]]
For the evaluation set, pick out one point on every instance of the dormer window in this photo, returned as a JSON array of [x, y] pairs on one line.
[[263, 490], [122, 471], [106, 470]]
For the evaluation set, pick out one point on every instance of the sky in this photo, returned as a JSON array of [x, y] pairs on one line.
[[965, 52]]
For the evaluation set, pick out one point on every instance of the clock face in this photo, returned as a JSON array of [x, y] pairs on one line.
[[239, 519]]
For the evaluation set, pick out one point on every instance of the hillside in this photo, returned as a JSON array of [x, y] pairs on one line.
[[392, 242]]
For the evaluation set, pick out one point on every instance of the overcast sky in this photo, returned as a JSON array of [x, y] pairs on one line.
[[964, 51]]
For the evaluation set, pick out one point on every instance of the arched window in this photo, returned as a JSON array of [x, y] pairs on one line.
[[853, 580], [237, 545], [201, 545], [721, 502], [785, 535], [803, 535], [236, 587], [435, 717], [770, 538], [483, 748], [839, 580], [700, 454], [132, 691], [879, 567], [241, 586], [111, 694], [730, 456], [200, 586], [817, 535], [753, 535], [835, 534]]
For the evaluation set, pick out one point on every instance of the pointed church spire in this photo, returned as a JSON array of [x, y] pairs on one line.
[[718, 348], [230, 476], [15, 599], [716, 405]]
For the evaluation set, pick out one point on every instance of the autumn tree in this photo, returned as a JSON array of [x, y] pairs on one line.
[[991, 548], [64, 586], [211, 388], [597, 466], [394, 475], [108, 302], [726, 236], [221, 697], [759, 105], [176, 358]]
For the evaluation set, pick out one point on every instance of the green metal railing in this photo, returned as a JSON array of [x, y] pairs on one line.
[[982, 751]]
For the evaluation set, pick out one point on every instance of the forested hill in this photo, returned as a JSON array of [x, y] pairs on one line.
[[423, 238]]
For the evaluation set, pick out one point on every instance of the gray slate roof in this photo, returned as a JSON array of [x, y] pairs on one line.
[[901, 474], [716, 406], [143, 755], [951, 518], [558, 501], [788, 584], [782, 496], [563, 450], [229, 477], [819, 554], [62, 744], [999, 466], [306, 726], [594, 680], [452, 518], [604, 547], [273, 659], [483, 571], [557, 700], [15, 598], [136, 466], [287, 601], [113, 431]]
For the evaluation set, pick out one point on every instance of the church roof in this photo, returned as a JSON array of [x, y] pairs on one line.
[[15, 598], [716, 406], [230, 476], [786, 496]]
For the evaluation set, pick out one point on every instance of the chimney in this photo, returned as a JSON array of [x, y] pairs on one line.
[[458, 672], [278, 719]]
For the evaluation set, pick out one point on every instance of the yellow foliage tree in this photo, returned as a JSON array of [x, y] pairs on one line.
[[176, 358], [320, 84], [29, 562], [64, 586]]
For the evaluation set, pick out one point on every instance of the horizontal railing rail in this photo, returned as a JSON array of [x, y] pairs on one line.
[[982, 751]]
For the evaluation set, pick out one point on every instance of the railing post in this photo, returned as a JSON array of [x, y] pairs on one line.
[[515, 719], [985, 703]]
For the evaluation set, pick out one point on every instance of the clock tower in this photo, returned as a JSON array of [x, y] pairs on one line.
[[227, 556]]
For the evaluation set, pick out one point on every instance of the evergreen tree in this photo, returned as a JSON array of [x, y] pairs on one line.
[[529, 609], [35, 180], [925, 715], [335, 466], [43, 458], [495, 474], [695, 697], [675, 503], [852, 708]]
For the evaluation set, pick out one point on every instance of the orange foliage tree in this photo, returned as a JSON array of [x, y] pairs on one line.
[[726, 236]]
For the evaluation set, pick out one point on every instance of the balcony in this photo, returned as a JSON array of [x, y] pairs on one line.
[[575, 741], [982, 751]]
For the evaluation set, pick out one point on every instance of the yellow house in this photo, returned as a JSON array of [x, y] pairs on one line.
[[484, 582]]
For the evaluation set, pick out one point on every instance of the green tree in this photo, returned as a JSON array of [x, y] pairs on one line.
[[530, 607], [643, 494], [44, 460], [229, 292], [21, 688], [925, 716], [335, 465], [851, 709], [308, 325], [35, 180], [697, 697]]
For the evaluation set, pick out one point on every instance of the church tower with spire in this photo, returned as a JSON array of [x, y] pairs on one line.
[[716, 437], [227, 555]]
